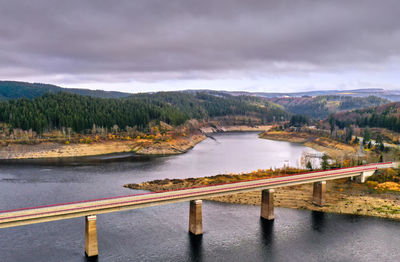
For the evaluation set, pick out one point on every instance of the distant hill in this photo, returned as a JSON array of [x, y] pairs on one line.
[[392, 95], [13, 90], [320, 107], [386, 116]]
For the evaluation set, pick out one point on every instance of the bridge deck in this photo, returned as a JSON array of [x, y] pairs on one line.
[[17, 217]]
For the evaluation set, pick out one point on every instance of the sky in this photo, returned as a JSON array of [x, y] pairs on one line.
[[153, 45]]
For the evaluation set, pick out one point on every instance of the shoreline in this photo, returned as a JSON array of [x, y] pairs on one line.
[[142, 147], [342, 197], [331, 148]]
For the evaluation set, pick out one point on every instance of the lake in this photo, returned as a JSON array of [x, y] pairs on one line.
[[231, 232]]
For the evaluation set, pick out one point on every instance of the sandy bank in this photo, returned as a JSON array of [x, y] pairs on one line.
[[140, 146], [343, 196], [174, 147], [330, 147], [355, 201]]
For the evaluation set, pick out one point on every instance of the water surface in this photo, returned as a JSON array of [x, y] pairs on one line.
[[231, 232]]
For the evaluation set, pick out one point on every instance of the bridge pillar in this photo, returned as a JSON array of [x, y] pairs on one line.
[[267, 204], [195, 217], [365, 175], [91, 248], [319, 193]]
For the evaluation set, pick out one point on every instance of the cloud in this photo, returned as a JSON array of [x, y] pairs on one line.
[[156, 40]]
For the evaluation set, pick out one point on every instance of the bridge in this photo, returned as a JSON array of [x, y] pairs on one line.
[[91, 208]]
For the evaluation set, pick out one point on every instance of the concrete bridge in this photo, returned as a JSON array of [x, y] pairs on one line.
[[90, 208]]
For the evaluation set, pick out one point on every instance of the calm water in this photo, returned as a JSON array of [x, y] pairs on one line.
[[232, 232]]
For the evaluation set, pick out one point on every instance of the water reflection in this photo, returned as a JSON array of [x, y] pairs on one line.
[[195, 247], [317, 220], [80, 161], [91, 259], [267, 231]]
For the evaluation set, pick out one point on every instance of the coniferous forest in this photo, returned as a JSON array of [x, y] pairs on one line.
[[385, 116], [58, 110]]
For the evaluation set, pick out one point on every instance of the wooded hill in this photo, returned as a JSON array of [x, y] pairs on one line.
[[58, 110], [320, 107], [14, 90], [43, 107], [385, 116]]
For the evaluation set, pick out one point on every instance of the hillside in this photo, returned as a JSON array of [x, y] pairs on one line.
[[385, 116], [320, 107], [64, 110], [13, 90], [215, 104]]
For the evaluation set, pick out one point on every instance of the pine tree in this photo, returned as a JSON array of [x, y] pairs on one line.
[[324, 163], [309, 165]]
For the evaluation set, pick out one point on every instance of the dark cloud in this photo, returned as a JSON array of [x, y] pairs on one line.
[[175, 37]]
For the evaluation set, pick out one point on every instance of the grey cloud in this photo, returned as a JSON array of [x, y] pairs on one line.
[[82, 37]]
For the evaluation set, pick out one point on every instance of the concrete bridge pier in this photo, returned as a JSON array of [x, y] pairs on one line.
[[195, 217], [267, 204], [91, 247], [365, 175], [319, 191]]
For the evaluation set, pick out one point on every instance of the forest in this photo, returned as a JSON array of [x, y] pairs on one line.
[[64, 110], [320, 107], [14, 90], [385, 116]]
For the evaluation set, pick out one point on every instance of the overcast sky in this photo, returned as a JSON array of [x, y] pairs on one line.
[[136, 46]]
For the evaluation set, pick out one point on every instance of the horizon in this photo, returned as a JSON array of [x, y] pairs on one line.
[[217, 90]]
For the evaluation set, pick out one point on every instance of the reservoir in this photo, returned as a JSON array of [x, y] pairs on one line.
[[231, 232]]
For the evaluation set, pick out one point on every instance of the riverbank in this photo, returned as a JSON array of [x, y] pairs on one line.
[[332, 148], [343, 196], [139, 146]]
